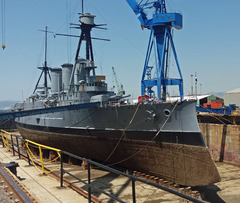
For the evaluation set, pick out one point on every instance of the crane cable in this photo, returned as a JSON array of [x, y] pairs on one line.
[[3, 24]]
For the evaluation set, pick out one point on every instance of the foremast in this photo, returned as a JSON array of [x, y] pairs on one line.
[[45, 69], [86, 24]]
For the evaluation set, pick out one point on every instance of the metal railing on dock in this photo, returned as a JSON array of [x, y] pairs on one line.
[[7, 140]]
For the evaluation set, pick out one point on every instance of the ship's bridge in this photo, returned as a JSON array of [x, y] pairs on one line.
[[98, 85]]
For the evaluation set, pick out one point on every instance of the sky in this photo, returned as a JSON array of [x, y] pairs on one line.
[[208, 44]]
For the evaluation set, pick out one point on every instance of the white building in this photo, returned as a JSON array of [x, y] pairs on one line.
[[232, 97]]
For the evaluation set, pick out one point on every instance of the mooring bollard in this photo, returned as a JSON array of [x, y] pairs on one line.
[[12, 166]]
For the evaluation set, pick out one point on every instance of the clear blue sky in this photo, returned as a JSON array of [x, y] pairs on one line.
[[208, 44]]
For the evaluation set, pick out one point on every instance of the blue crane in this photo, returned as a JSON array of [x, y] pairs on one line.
[[160, 25]]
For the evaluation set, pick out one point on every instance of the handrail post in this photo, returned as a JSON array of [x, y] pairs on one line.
[[29, 163], [19, 155], [41, 157], [6, 134], [89, 183], [61, 169], [12, 145], [3, 142], [2, 138], [133, 191], [28, 157]]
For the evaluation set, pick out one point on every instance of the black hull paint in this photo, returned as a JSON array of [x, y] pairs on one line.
[[188, 138]]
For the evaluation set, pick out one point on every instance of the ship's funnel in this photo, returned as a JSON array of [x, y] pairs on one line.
[[56, 80], [66, 74]]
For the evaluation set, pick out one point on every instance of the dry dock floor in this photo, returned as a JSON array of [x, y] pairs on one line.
[[44, 188]]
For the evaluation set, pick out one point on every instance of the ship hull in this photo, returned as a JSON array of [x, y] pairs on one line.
[[144, 138]]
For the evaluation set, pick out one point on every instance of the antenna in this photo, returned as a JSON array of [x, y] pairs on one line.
[[196, 84], [82, 6], [46, 32], [45, 58], [192, 85]]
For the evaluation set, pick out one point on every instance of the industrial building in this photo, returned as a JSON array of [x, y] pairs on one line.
[[207, 100], [232, 97]]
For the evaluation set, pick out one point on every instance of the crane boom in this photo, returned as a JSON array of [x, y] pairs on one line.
[[120, 90], [160, 25], [138, 10]]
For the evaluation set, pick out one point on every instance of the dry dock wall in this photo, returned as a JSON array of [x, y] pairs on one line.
[[223, 141]]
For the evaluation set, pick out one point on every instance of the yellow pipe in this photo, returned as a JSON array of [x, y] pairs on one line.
[[54, 149]]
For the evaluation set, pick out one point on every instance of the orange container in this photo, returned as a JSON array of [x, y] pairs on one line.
[[213, 105]]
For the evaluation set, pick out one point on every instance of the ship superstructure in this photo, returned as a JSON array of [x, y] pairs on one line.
[[73, 83]]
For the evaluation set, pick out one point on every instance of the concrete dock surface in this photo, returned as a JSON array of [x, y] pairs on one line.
[[228, 190], [45, 188]]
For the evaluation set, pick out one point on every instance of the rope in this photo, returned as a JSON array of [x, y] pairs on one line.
[[140, 150], [134, 115], [123, 133], [209, 110]]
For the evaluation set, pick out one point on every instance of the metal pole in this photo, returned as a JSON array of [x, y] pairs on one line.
[[192, 85], [2, 139], [133, 191], [41, 157], [12, 145], [82, 6], [29, 163], [196, 85], [6, 134], [45, 63], [89, 182], [61, 169], [18, 148]]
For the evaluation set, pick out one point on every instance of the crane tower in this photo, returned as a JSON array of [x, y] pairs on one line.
[[160, 24]]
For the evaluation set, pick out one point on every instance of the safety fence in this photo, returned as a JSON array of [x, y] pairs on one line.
[[8, 141], [34, 159], [5, 138], [32, 150]]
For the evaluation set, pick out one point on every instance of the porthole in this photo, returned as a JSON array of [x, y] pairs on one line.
[[166, 112]]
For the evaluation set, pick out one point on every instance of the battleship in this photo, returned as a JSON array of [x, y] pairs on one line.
[[151, 136]]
